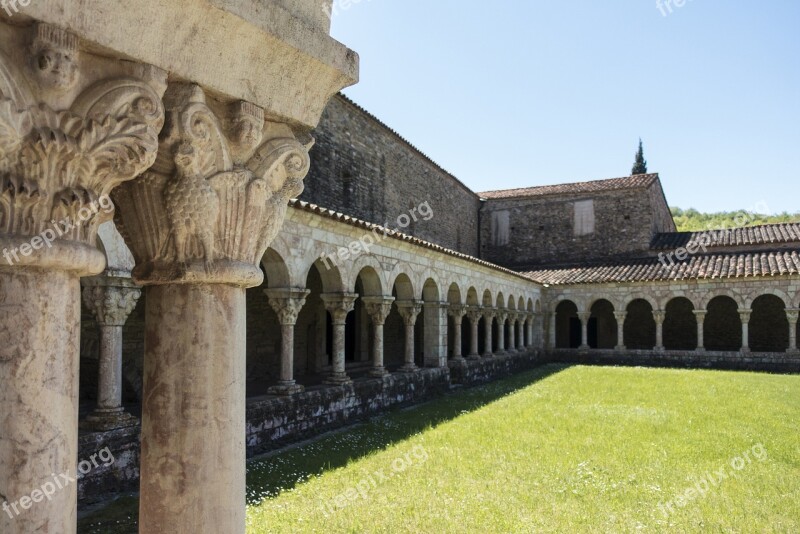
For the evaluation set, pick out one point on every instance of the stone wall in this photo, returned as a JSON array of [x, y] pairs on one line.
[[541, 229], [362, 168]]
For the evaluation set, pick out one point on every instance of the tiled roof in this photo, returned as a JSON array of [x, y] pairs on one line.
[[768, 234], [341, 217], [715, 266], [613, 184]]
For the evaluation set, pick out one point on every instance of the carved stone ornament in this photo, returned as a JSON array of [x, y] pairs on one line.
[[217, 195], [67, 138]]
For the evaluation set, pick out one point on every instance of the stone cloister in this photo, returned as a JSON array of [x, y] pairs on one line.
[[172, 290]]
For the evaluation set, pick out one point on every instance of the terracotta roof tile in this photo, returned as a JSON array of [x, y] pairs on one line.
[[613, 184], [714, 266], [767, 234]]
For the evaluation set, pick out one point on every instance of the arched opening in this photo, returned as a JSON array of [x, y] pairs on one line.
[[640, 326], [395, 330], [769, 326], [568, 326], [680, 325], [359, 332], [722, 330], [602, 328]]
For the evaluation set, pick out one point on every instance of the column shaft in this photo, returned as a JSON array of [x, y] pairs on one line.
[[109, 390], [488, 336], [193, 412], [39, 357]]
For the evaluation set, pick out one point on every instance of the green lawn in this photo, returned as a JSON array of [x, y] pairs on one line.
[[559, 449]]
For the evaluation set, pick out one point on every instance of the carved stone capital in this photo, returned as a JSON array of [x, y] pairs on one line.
[[72, 127], [339, 305], [489, 313], [501, 315], [474, 313], [793, 314], [287, 303], [745, 315], [659, 316], [378, 308], [457, 311], [409, 310], [217, 194], [110, 299]]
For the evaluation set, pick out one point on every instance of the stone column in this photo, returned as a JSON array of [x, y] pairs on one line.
[[287, 304], [701, 318], [457, 312], [745, 317], [339, 305], [553, 333], [793, 314], [512, 331], [488, 314], [409, 310], [659, 317], [474, 313], [523, 326], [584, 317], [198, 224], [502, 316], [620, 317], [378, 309], [435, 341], [111, 300], [74, 126]]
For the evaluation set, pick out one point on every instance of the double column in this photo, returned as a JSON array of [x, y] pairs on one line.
[[198, 224], [378, 309], [659, 316], [620, 317], [111, 300], [584, 318], [409, 310], [457, 312], [489, 315], [474, 314], [700, 315], [339, 305], [287, 304], [745, 315], [75, 126], [502, 317]]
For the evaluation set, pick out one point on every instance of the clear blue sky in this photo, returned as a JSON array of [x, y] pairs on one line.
[[518, 93]]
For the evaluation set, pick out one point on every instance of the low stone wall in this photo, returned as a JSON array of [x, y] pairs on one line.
[[768, 362], [122, 476], [475, 372], [271, 423], [274, 422]]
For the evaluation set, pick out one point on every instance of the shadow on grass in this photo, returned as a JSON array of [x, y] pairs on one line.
[[270, 475]]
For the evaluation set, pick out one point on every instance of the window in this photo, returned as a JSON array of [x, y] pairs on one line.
[[500, 228], [584, 218]]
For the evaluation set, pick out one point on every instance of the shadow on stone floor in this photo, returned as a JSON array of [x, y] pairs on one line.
[[270, 475]]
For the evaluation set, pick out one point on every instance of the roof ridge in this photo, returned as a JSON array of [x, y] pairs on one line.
[[595, 181]]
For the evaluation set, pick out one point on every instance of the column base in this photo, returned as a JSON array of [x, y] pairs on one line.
[[474, 357], [286, 389], [745, 350], [104, 421], [338, 379], [487, 354], [700, 350], [660, 349], [793, 352], [620, 347], [409, 368], [378, 372]]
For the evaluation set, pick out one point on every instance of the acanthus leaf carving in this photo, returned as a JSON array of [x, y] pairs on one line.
[[216, 196]]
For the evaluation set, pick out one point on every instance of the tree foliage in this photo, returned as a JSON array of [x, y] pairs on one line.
[[640, 164], [692, 220]]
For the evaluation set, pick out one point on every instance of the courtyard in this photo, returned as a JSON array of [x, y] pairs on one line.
[[556, 449]]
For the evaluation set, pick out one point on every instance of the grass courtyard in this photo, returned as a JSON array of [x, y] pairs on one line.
[[557, 449]]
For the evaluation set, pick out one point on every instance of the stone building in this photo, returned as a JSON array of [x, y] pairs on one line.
[[235, 304]]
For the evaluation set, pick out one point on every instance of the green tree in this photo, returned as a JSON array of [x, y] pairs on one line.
[[640, 165]]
